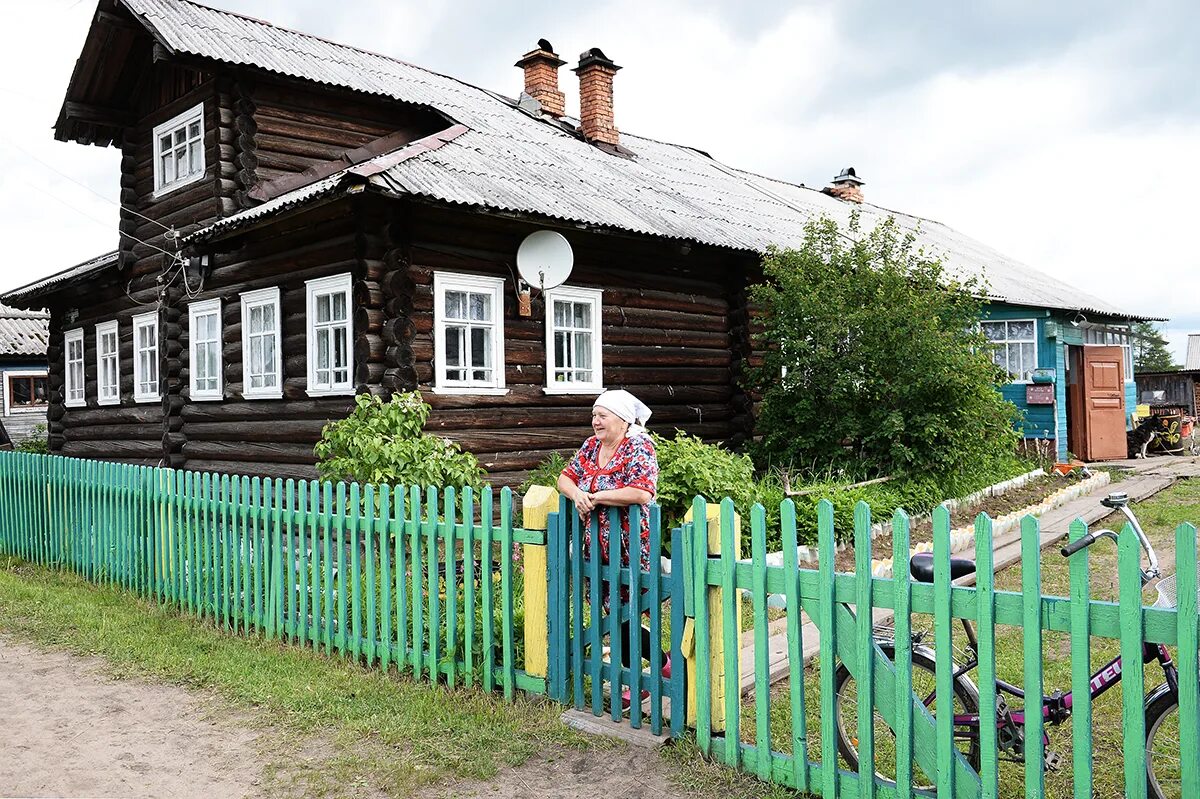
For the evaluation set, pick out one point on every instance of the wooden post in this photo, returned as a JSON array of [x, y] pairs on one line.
[[716, 648], [539, 503]]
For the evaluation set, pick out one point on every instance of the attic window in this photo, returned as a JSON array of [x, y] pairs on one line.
[[179, 150]]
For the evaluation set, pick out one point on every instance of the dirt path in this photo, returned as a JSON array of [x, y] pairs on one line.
[[70, 731]]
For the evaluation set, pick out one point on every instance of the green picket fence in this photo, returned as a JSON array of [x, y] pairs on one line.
[[422, 582], [896, 686]]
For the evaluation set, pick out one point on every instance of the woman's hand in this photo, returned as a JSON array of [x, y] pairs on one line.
[[585, 503]]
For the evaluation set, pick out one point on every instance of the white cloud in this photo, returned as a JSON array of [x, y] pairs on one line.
[[1045, 155]]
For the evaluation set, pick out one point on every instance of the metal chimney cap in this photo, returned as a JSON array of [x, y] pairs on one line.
[[596, 56], [848, 176]]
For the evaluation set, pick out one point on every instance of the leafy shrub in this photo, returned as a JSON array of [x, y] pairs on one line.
[[385, 442], [37, 442], [873, 364], [545, 473], [688, 467]]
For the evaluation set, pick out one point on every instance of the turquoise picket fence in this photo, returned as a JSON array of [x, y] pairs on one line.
[[419, 581], [900, 681], [424, 582]]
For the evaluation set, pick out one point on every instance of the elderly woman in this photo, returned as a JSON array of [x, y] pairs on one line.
[[616, 467]]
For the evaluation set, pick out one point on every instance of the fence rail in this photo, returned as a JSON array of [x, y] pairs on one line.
[[419, 581], [424, 582]]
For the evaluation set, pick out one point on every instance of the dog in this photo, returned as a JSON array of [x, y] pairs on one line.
[[1139, 438]]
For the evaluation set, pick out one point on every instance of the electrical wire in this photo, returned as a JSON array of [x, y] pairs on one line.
[[65, 176], [120, 232]]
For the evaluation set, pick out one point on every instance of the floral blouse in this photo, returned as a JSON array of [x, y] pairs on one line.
[[633, 465]]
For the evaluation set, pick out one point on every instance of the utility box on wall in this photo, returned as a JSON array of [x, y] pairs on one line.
[[1039, 394]]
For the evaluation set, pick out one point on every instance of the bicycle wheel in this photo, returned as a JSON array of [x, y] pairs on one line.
[[924, 677], [1162, 747]]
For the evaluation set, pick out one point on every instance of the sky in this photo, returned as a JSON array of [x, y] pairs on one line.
[[1065, 135]]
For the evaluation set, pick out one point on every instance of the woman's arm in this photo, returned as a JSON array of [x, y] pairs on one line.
[[622, 497], [584, 503]]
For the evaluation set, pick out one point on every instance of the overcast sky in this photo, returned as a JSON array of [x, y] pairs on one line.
[[1062, 134]]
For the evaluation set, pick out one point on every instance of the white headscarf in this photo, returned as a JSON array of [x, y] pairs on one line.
[[627, 407]]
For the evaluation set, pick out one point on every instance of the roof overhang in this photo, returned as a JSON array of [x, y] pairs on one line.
[[32, 295]]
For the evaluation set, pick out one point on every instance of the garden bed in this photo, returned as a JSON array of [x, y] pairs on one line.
[[1034, 495]]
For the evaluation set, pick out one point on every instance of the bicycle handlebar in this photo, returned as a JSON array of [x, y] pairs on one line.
[[1073, 547], [1091, 538]]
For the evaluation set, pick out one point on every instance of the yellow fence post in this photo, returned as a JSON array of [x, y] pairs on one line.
[[538, 504], [716, 646]]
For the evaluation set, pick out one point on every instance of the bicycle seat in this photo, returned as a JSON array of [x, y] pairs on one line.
[[1115, 500], [921, 567]]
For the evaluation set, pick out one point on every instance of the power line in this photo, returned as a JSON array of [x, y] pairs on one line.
[[65, 176], [120, 232]]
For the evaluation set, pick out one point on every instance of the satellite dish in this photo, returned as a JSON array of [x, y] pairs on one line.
[[544, 259]]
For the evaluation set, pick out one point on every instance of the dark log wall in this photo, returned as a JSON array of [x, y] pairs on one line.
[[297, 128], [668, 336], [275, 437]]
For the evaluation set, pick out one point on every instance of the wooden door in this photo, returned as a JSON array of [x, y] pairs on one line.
[[1076, 420], [1103, 381]]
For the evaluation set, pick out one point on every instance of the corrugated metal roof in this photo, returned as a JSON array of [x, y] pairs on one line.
[[1192, 361], [27, 293], [23, 332], [511, 161]]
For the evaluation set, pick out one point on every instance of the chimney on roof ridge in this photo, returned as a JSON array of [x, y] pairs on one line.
[[846, 186], [596, 73], [541, 78]]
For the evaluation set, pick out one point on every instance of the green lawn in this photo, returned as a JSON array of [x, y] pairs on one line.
[[387, 732], [1159, 516]]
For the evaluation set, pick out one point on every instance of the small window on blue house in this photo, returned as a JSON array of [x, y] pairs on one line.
[[1014, 346]]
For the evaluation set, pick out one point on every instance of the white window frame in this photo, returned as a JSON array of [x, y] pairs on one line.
[[259, 299], [183, 120], [140, 322], [595, 298], [455, 281], [1006, 341], [5, 376], [319, 287], [103, 395], [69, 387], [195, 310]]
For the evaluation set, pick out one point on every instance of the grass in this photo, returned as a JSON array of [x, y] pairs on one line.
[[382, 731], [1159, 515]]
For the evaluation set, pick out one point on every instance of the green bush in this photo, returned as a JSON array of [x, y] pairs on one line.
[[545, 473], [688, 467], [37, 441], [873, 364], [384, 442]]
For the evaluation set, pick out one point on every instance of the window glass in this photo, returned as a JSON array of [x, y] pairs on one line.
[[179, 149], [329, 339], [573, 339], [469, 331], [1015, 346]]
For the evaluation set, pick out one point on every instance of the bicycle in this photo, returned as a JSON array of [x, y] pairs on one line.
[[1161, 704]]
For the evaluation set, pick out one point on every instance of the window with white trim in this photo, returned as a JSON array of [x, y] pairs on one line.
[[1014, 346], [145, 357], [73, 376], [204, 350], [1113, 337], [330, 336], [179, 150], [108, 364], [468, 322], [24, 389], [573, 346], [262, 369]]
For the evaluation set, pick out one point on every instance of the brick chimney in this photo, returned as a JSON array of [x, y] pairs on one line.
[[846, 186], [541, 78], [595, 73]]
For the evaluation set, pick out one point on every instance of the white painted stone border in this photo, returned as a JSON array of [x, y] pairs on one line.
[[963, 538]]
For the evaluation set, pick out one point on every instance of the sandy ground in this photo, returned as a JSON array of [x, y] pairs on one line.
[[71, 731]]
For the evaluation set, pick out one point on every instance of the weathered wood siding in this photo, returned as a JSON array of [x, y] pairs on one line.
[[668, 334], [276, 436]]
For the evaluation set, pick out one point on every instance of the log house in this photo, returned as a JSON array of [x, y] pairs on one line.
[[302, 222]]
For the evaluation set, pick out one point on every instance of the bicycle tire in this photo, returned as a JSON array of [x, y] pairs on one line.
[[922, 665], [1162, 745]]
